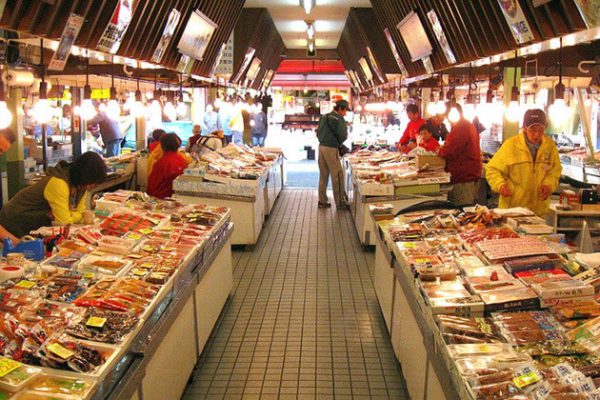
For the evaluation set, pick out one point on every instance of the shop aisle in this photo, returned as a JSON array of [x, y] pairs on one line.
[[303, 321]]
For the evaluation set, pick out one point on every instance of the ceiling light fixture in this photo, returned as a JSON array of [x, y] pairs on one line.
[[512, 111], [308, 5], [113, 110], [310, 29], [88, 111], [138, 107], [42, 111], [558, 109]]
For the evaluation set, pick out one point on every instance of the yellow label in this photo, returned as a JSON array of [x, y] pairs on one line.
[[7, 366], [526, 379], [409, 245], [147, 265], [26, 284], [136, 256], [60, 351], [134, 236], [89, 275], [146, 231], [139, 272], [96, 322]]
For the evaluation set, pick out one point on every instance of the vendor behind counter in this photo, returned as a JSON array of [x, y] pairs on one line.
[[60, 197]]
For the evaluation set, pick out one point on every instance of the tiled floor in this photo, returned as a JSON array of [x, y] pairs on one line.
[[303, 321]]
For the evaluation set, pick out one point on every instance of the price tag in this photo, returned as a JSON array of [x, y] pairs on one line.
[[96, 322], [88, 275], [147, 265], [60, 351], [527, 379], [134, 236], [7, 366], [136, 256], [146, 231], [139, 272], [26, 284]]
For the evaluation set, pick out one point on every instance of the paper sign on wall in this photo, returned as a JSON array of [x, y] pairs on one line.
[[68, 37], [167, 35], [513, 13], [590, 12], [441, 36], [115, 31]]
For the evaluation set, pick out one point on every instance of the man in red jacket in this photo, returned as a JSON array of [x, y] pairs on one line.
[[408, 141], [463, 161]]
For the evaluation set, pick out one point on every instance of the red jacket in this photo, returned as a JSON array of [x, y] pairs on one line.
[[431, 145], [411, 131], [462, 153], [164, 172]]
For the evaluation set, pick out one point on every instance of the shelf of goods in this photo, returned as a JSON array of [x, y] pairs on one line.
[[478, 310], [572, 224], [576, 166], [124, 307], [373, 177], [246, 181]]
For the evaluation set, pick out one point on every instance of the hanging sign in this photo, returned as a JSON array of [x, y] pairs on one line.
[[375, 66], [197, 35], [68, 37], [513, 13], [392, 45], [590, 12], [112, 37], [253, 71], [167, 35], [2, 6], [364, 65], [185, 64], [247, 58], [441, 36], [224, 62]]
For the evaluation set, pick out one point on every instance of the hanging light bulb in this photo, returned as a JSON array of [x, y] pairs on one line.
[[513, 111], [170, 111], [469, 112], [113, 110], [154, 108], [6, 116], [559, 110], [137, 108], [88, 111], [440, 107], [218, 102], [432, 108], [42, 110], [181, 108]]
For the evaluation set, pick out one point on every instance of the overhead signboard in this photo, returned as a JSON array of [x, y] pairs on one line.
[[247, 58], [519, 27], [364, 66], [253, 71], [590, 12], [392, 45], [197, 35], [224, 63], [68, 37], [441, 36], [375, 66], [414, 36], [167, 35], [185, 64], [114, 33]]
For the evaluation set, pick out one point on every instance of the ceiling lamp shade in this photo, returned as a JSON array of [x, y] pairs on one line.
[[308, 5]]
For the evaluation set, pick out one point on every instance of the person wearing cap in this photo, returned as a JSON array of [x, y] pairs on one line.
[[462, 152], [408, 141], [332, 133], [526, 169]]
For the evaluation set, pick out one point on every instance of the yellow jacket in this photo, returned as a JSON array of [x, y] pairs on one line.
[[513, 164], [157, 154]]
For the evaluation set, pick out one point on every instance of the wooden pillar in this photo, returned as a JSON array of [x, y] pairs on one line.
[[15, 155], [76, 124], [586, 120], [140, 133]]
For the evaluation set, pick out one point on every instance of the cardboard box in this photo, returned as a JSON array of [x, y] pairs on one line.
[[432, 162], [376, 189]]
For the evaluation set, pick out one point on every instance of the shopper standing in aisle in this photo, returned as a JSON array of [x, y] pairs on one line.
[[224, 119], [259, 128], [109, 130], [59, 197], [236, 124], [168, 168], [210, 120], [526, 169], [463, 161], [332, 133], [408, 141]]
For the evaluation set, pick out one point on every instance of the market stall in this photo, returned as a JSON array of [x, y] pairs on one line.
[[244, 180], [476, 308], [131, 298], [385, 177]]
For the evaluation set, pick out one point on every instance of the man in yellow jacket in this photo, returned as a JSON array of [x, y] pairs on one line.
[[526, 169]]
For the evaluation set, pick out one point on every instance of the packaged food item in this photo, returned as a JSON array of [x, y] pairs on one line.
[[67, 259], [65, 287], [468, 330], [109, 265], [481, 235], [506, 384], [60, 385], [77, 246], [584, 310], [539, 276], [510, 284], [503, 249], [470, 306], [116, 245], [510, 300], [557, 347], [103, 326], [529, 326], [62, 352], [458, 351], [444, 290], [126, 294], [430, 273], [588, 330], [18, 375], [480, 365]]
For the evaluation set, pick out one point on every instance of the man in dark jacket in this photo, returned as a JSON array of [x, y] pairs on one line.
[[332, 133], [436, 126], [110, 132]]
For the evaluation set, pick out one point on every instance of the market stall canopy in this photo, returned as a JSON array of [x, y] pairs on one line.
[[141, 26], [258, 49]]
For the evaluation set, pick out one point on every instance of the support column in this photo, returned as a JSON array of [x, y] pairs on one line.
[[510, 129], [140, 133], [585, 123], [76, 125], [15, 155]]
